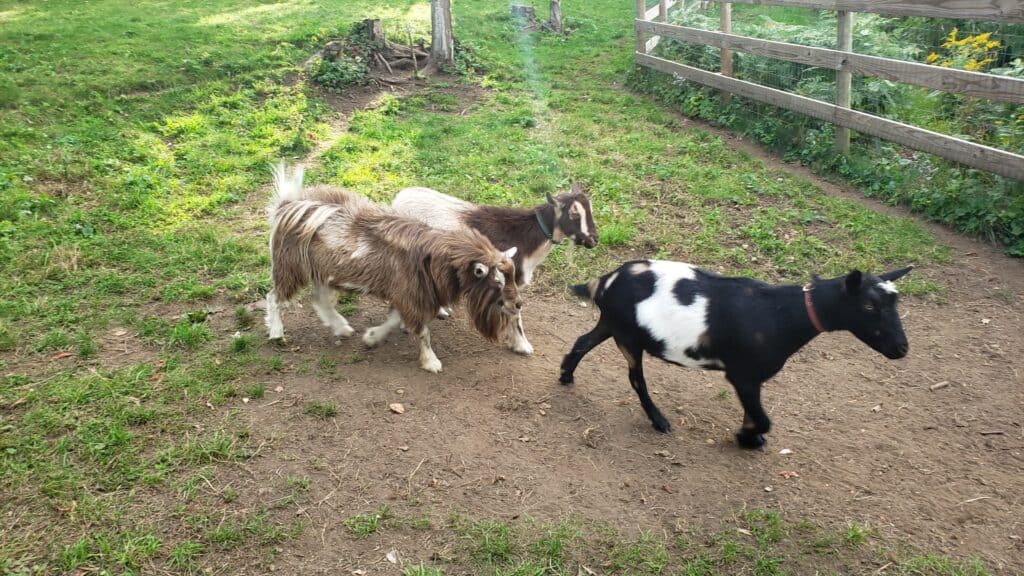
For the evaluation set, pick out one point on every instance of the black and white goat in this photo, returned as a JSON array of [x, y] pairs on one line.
[[747, 328], [534, 231], [337, 240]]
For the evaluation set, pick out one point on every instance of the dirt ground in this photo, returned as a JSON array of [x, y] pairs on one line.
[[928, 451]]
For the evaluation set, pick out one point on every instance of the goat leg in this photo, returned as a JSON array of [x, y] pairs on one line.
[[583, 345], [428, 360], [755, 420], [635, 357]]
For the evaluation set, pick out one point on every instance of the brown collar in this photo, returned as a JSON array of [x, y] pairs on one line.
[[810, 308]]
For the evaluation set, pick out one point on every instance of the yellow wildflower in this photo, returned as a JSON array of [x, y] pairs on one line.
[[932, 58]]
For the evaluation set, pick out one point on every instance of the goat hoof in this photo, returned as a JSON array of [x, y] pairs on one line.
[[344, 332], [526, 350], [662, 426], [370, 338], [433, 366], [565, 379], [750, 440]]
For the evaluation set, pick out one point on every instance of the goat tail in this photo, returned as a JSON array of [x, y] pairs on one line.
[[586, 291], [287, 187]]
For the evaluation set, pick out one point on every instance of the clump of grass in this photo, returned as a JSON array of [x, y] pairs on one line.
[[243, 343], [184, 554], [297, 482], [362, 525], [321, 410], [53, 340], [255, 391], [275, 363], [856, 534], [489, 542], [244, 319], [85, 346], [645, 555], [189, 335], [327, 363]]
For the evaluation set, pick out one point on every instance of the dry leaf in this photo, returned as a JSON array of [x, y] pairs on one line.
[[744, 531], [279, 389], [768, 488], [120, 332], [668, 488], [392, 556], [404, 448], [789, 474], [985, 320], [785, 451], [60, 355], [592, 436], [524, 438], [397, 408], [663, 453]]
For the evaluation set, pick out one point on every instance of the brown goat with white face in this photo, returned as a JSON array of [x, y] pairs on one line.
[[337, 240]]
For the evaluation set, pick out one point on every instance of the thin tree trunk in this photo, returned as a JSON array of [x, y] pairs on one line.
[[442, 46], [555, 20]]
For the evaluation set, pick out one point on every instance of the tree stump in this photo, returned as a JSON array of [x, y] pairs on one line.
[[524, 14], [374, 30]]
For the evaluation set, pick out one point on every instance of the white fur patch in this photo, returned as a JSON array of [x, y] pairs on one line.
[[610, 279], [430, 206], [584, 229], [889, 287], [362, 249], [336, 233], [531, 261], [499, 277], [678, 327]]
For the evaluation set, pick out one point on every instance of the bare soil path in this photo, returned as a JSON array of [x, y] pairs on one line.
[[928, 450]]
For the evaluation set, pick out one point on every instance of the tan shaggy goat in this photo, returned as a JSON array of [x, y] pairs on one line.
[[337, 240]]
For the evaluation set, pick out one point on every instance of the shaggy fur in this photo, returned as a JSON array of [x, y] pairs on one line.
[[532, 231], [337, 240]]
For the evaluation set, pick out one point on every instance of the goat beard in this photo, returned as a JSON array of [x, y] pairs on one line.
[[488, 314]]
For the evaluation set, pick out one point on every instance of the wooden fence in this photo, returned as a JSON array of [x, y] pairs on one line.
[[998, 88]]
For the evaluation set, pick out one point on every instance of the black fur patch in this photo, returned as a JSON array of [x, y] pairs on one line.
[[686, 291], [643, 285]]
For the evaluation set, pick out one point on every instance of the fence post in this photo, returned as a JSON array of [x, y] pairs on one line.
[[641, 40], [844, 77], [725, 20], [663, 10]]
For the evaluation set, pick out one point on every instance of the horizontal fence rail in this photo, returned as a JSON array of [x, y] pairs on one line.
[[989, 10], [978, 155], [846, 63], [990, 86]]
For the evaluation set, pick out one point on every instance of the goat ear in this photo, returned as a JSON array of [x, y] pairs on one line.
[[896, 274], [551, 199], [511, 252], [480, 270], [853, 281]]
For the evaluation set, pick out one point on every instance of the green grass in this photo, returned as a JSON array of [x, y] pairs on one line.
[[363, 525], [133, 150], [758, 541], [321, 410]]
